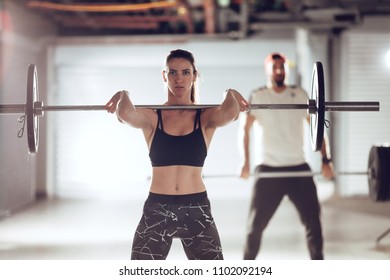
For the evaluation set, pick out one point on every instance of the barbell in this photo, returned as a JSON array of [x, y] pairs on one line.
[[315, 106], [377, 173]]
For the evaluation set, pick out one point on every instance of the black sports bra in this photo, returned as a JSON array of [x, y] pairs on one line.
[[189, 149]]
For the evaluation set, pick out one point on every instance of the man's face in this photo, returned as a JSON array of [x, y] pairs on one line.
[[278, 73]]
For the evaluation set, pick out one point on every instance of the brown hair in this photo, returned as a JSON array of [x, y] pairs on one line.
[[179, 53]]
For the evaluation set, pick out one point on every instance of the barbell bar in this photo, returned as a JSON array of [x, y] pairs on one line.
[[9, 109], [288, 174], [316, 107], [283, 174]]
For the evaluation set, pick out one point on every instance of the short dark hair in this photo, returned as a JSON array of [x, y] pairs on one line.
[[274, 56]]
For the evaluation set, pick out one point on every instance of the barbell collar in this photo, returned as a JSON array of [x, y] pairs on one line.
[[311, 106], [38, 108]]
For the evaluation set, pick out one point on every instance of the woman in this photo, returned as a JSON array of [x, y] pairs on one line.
[[177, 205]]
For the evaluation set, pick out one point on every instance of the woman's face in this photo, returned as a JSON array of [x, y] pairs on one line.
[[179, 76]]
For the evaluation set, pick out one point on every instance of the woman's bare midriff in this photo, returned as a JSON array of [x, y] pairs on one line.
[[177, 180]]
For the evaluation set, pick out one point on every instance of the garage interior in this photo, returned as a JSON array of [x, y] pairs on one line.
[[81, 196]]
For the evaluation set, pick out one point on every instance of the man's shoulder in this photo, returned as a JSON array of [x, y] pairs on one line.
[[265, 88], [295, 87], [298, 89], [260, 89]]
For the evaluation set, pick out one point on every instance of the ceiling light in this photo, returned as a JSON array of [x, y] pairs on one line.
[[101, 7]]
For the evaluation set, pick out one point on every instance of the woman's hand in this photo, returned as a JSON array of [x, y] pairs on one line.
[[127, 113], [112, 105], [241, 101], [236, 102]]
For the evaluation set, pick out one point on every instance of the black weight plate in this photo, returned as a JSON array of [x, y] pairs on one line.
[[32, 119], [385, 187], [317, 120], [379, 175], [382, 180], [374, 173]]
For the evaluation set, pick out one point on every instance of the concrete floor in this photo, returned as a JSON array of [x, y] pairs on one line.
[[101, 228]]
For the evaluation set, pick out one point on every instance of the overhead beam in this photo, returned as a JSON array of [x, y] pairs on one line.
[[135, 22]]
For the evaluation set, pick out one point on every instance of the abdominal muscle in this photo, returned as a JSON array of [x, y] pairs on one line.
[[177, 180]]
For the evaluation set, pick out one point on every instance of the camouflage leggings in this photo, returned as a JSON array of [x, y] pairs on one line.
[[187, 217]]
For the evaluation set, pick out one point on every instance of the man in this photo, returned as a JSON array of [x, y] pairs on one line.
[[282, 147]]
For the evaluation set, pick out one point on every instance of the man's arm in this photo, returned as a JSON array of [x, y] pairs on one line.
[[244, 141], [327, 167]]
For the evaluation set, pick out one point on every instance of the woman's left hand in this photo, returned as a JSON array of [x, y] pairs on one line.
[[241, 101]]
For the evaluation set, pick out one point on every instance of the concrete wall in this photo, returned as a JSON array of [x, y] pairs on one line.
[[23, 39], [362, 75]]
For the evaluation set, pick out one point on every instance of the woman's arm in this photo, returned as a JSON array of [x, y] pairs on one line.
[[229, 110], [221, 115], [126, 112]]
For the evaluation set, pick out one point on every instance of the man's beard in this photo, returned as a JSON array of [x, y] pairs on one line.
[[280, 83]]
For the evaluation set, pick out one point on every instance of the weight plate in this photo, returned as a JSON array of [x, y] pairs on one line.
[[317, 119], [31, 118], [385, 176], [379, 177], [386, 163], [374, 173]]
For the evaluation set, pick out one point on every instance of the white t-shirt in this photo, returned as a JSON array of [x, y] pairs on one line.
[[282, 130]]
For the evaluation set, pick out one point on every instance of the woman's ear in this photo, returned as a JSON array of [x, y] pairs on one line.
[[163, 76]]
